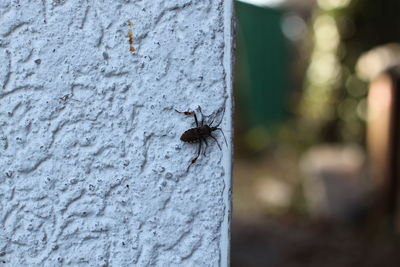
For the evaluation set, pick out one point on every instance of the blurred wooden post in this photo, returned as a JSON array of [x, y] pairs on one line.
[[383, 140], [381, 66], [394, 149]]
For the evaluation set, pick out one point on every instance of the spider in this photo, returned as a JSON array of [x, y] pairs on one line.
[[200, 133]]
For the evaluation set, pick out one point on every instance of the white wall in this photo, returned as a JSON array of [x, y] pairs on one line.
[[92, 171]]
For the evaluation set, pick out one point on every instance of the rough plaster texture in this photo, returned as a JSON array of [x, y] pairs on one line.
[[92, 171]]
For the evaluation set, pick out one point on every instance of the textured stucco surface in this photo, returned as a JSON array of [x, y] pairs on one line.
[[92, 171]]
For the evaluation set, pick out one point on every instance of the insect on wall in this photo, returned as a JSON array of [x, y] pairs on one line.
[[201, 132]]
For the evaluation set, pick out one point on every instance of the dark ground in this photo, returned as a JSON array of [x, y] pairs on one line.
[[263, 237], [291, 242]]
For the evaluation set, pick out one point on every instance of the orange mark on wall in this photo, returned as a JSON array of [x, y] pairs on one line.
[[130, 35]]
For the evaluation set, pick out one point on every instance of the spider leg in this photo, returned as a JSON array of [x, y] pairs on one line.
[[222, 135], [202, 116], [205, 142], [189, 113], [212, 120], [215, 139], [194, 159], [222, 117]]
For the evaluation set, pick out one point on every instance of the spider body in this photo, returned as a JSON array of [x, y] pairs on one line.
[[200, 133], [195, 135]]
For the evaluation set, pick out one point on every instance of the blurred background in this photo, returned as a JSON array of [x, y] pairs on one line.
[[317, 130]]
